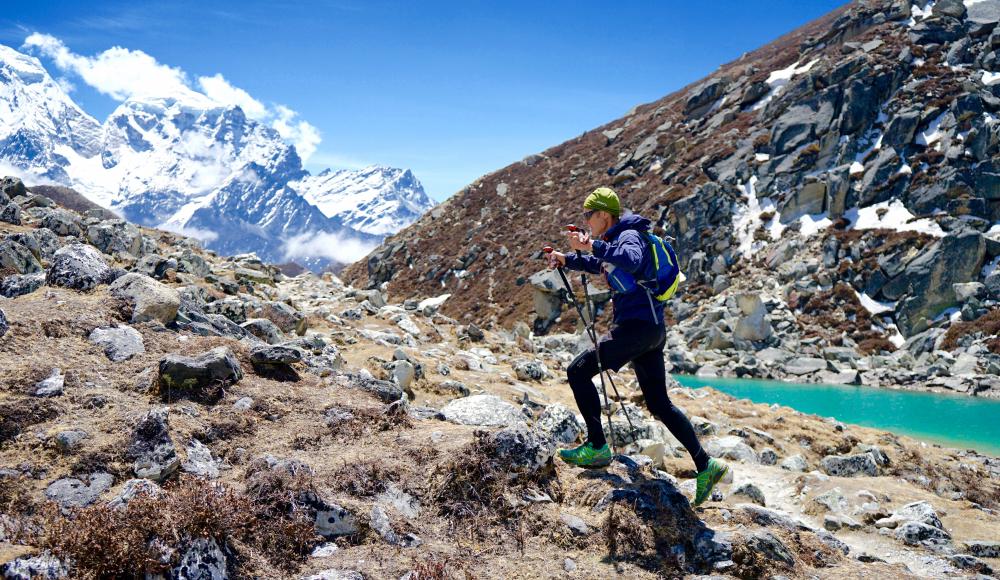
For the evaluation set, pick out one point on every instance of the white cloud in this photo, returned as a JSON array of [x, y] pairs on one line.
[[122, 74], [219, 90], [117, 72], [334, 247], [303, 135], [204, 236]]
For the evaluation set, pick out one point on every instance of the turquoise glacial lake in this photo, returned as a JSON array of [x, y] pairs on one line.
[[951, 420]]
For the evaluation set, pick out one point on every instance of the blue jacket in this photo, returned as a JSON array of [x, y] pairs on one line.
[[625, 246]]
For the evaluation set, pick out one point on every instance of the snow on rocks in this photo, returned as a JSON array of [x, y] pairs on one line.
[[891, 215]]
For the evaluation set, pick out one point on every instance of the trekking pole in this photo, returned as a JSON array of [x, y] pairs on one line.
[[592, 333]]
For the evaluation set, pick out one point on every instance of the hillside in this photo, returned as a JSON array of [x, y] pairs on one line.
[[845, 173], [164, 410]]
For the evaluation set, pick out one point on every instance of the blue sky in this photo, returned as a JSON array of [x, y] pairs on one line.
[[451, 90]]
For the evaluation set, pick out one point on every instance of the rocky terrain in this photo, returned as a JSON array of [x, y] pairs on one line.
[[169, 413], [832, 197]]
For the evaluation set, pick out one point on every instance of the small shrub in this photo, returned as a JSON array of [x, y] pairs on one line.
[[987, 325]]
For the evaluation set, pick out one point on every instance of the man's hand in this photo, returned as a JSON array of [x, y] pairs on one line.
[[556, 260], [580, 241]]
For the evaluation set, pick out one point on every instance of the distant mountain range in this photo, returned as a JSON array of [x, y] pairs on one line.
[[186, 163]]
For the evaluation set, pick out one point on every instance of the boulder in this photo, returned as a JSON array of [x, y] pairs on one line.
[[78, 266], [132, 489], [918, 511], [202, 560], [805, 365], [151, 449], [701, 99], [60, 221], [849, 465], [284, 316], [269, 355], [120, 343], [41, 567], [199, 377], [386, 391], [200, 461], [18, 259], [19, 285], [983, 548], [264, 329], [768, 545], [795, 463], [755, 324], [559, 423], [926, 286], [115, 237], [10, 213], [731, 447], [149, 299], [749, 492], [333, 520], [74, 493], [482, 410], [4, 325], [523, 450], [547, 289], [51, 386], [531, 370], [920, 534]]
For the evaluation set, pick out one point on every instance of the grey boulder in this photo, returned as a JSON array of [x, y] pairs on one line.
[[74, 493], [151, 449], [78, 266], [482, 410], [119, 344], [149, 299]]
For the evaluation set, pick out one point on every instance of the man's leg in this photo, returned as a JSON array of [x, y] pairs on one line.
[[618, 348], [652, 377], [580, 373]]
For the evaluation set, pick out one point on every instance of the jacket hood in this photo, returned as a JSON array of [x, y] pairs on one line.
[[630, 222]]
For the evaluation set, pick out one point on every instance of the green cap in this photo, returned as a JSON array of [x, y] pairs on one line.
[[603, 199]]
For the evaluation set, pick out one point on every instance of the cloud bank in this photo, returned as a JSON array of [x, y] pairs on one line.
[[121, 74], [332, 246]]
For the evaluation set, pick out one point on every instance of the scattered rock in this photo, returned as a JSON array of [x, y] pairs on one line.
[[78, 266], [200, 377], [750, 492], [731, 447], [148, 299], [795, 463], [482, 410], [200, 461], [531, 370], [52, 386], [151, 449], [560, 424], [42, 567], [132, 489], [73, 493], [522, 449], [120, 343], [204, 560], [849, 466]]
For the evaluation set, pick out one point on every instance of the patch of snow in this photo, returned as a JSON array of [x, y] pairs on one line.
[[917, 62], [433, 302], [762, 157], [932, 133], [779, 78], [991, 266], [916, 13], [857, 168], [874, 306], [746, 219], [905, 169], [897, 217], [990, 77], [814, 223], [897, 338]]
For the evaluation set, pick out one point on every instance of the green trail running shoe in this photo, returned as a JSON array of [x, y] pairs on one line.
[[707, 479], [586, 456]]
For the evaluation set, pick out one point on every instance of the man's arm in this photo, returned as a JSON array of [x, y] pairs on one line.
[[626, 252], [583, 262]]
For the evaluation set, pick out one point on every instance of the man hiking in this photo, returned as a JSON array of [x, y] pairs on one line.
[[621, 248]]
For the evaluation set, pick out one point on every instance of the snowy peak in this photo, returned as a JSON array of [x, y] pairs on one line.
[[37, 118], [376, 200]]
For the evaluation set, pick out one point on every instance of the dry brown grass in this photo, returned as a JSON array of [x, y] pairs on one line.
[[149, 534], [987, 325], [18, 414]]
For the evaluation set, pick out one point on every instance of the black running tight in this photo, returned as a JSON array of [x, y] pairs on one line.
[[640, 343]]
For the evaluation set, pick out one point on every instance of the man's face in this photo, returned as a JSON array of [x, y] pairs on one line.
[[598, 221]]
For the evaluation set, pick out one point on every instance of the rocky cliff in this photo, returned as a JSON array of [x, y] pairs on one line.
[[845, 174]]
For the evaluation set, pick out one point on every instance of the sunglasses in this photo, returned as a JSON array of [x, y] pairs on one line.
[[588, 213]]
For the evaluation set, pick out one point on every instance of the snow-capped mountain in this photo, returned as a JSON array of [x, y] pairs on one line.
[[186, 163], [376, 200], [38, 119]]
